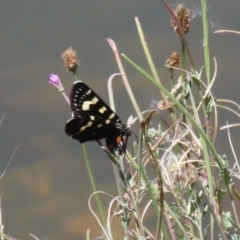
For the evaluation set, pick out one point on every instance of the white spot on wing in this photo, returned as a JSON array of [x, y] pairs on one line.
[[102, 110], [86, 105], [94, 100], [89, 91], [89, 124], [111, 116], [107, 121]]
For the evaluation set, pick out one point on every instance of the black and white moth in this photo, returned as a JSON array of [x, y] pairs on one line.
[[93, 119]]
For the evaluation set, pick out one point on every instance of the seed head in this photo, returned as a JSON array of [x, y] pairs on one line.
[[173, 60], [70, 59], [183, 15]]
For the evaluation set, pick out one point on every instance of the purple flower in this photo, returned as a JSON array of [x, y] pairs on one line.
[[55, 81]]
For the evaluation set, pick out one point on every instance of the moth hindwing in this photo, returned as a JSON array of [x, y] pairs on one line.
[[93, 119]]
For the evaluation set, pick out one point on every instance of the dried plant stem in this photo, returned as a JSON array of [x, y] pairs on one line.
[[126, 83]]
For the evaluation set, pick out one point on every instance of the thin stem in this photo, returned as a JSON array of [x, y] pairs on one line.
[[205, 40], [89, 167], [148, 55], [124, 77], [87, 162], [115, 169]]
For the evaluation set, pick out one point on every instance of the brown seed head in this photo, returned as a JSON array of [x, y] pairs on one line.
[[183, 15], [173, 60], [70, 59]]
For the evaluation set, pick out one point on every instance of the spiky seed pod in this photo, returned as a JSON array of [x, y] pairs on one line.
[[173, 60], [70, 59], [183, 15]]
